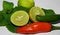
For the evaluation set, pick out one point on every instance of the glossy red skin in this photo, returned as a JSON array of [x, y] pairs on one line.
[[36, 27]]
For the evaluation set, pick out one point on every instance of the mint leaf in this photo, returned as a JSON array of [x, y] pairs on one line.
[[8, 23], [11, 27], [3, 23], [5, 16], [1, 17], [48, 11], [7, 6], [19, 8]]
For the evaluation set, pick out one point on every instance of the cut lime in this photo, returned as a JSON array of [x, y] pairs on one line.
[[26, 3], [20, 18], [34, 11]]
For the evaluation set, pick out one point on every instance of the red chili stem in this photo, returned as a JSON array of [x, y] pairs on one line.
[[56, 28]]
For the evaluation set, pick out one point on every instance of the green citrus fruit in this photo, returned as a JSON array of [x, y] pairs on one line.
[[35, 11], [26, 3], [20, 18]]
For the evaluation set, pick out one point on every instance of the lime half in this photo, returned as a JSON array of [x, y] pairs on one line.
[[20, 18], [35, 11]]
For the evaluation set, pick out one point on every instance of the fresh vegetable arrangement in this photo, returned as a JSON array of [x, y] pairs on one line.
[[26, 18]]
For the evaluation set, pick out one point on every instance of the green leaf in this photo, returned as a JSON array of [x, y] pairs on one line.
[[7, 6], [8, 23], [6, 16], [1, 17], [3, 23], [48, 11], [11, 27], [19, 8]]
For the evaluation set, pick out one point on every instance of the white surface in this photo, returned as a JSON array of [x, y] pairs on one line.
[[51, 4]]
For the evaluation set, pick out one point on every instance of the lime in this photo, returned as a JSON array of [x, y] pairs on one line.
[[26, 3], [19, 18], [34, 11]]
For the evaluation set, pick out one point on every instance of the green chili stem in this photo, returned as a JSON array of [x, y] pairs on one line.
[[56, 28]]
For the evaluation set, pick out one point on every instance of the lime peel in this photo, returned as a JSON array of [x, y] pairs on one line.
[[26, 3]]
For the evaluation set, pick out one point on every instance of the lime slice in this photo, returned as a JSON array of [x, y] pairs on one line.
[[35, 11], [26, 3], [20, 18]]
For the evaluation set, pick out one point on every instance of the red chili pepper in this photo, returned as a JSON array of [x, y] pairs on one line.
[[35, 28]]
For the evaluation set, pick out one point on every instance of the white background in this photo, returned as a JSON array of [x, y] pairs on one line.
[[50, 4]]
